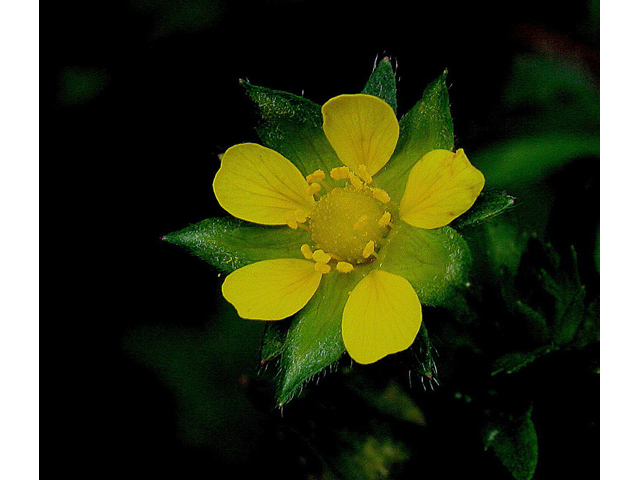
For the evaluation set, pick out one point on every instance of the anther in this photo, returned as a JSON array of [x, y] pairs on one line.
[[316, 176], [306, 252], [361, 222], [299, 216], [380, 195], [364, 174], [369, 249], [313, 188], [321, 257], [355, 181], [344, 267], [385, 219], [322, 267], [339, 173]]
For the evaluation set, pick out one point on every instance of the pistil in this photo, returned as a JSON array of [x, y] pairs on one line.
[[348, 223]]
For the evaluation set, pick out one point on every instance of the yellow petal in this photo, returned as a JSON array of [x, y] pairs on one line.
[[259, 185], [271, 289], [441, 186], [362, 129], [382, 316]]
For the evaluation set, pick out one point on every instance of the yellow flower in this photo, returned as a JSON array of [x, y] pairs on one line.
[[350, 221]]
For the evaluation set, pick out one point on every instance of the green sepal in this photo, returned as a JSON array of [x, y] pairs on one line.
[[487, 206], [275, 334], [228, 243], [515, 442], [436, 262], [292, 126], [314, 340], [424, 363], [427, 126], [382, 83]]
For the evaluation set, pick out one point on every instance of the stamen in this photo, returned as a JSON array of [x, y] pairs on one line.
[[339, 173], [316, 176], [313, 188], [380, 195], [324, 184], [361, 222], [292, 223], [322, 267], [344, 267], [299, 216], [306, 251], [369, 249], [385, 219], [355, 181], [364, 174], [321, 257]]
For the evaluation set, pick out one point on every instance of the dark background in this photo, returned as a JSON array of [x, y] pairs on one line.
[[145, 95]]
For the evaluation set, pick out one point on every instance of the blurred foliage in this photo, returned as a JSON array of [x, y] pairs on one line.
[[557, 110], [184, 16], [193, 363], [514, 440], [79, 85]]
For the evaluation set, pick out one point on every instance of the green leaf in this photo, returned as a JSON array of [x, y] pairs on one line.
[[382, 83], [487, 206], [387, 397], [515, 443], [292, 126], [436, 262], [229, 243], [589, 330], [551, 285], [534, 322], [427, 126], [569, 295], [314, 340], [497, 246], [512, 362]]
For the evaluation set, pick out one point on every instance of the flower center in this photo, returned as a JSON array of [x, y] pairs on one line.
[[349, 224]]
